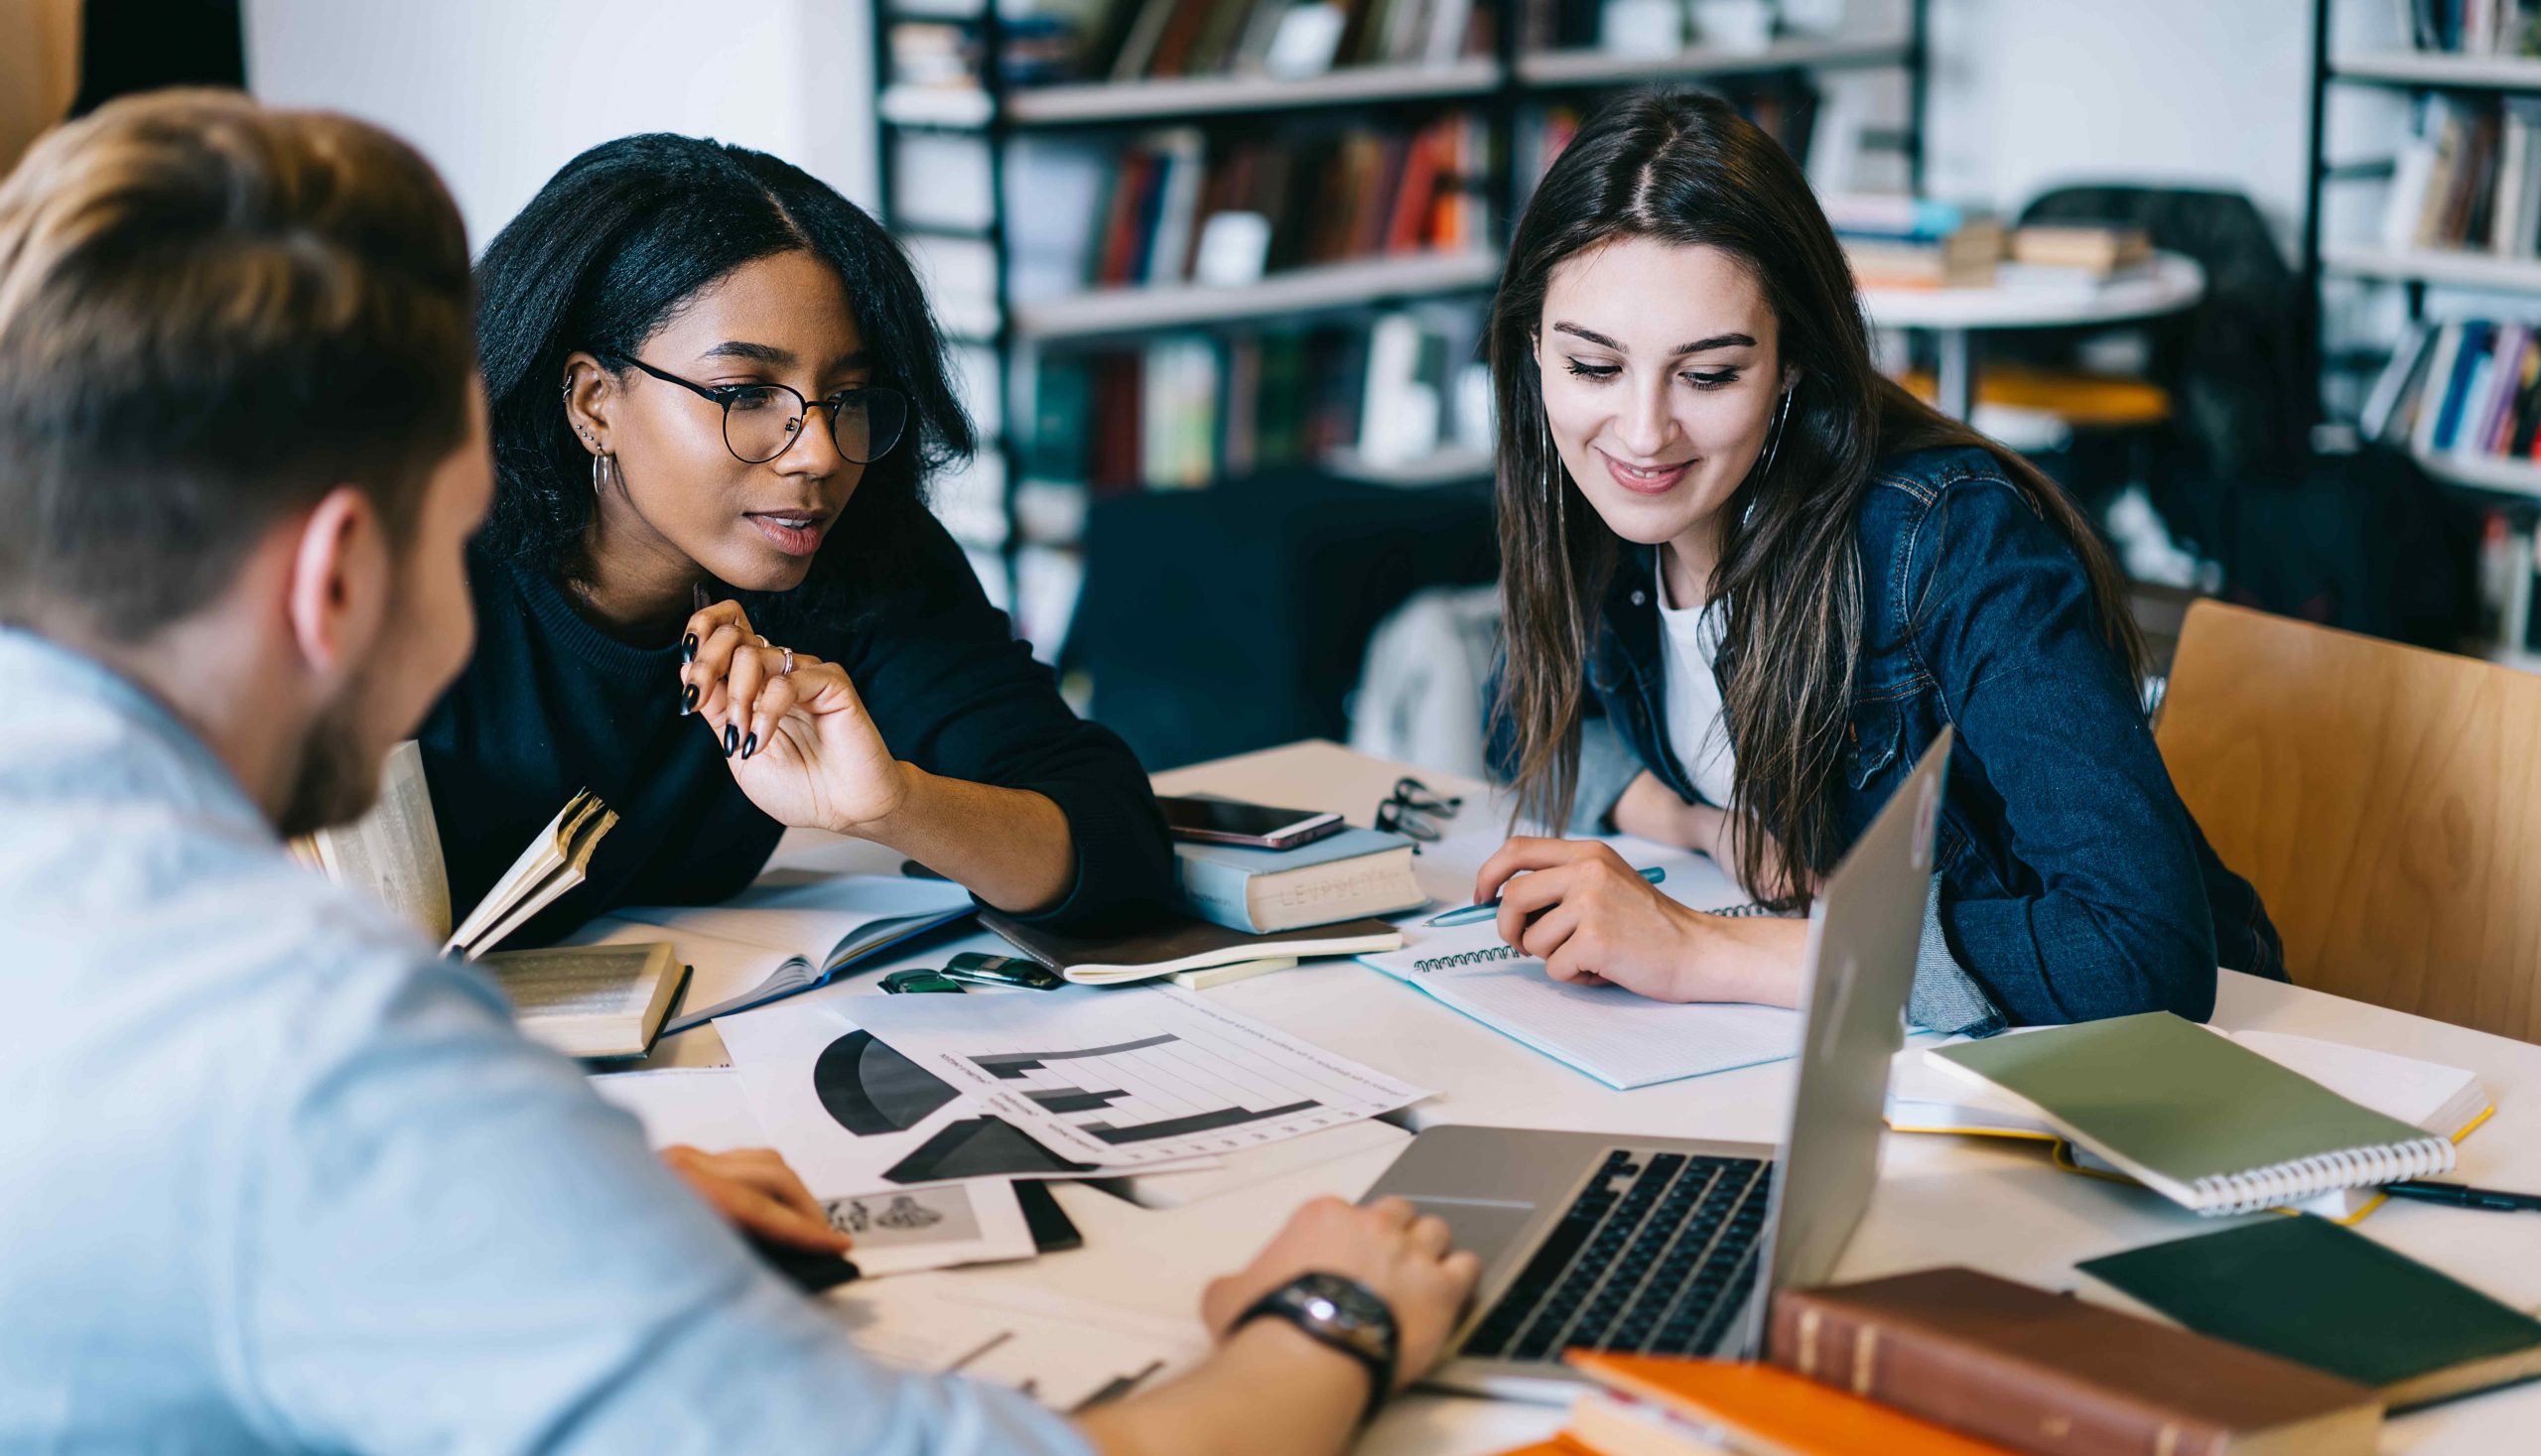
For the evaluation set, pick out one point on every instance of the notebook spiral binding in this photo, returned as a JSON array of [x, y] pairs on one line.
[[1512, 953], [2307, 1178], [1468, 958]]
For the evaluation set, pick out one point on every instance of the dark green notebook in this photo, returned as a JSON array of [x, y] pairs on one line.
[[2318, 1294]]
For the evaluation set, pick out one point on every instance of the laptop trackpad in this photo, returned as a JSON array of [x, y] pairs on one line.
[[1490, 1227]]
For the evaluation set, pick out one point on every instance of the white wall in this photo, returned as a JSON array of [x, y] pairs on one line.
[[2027, 94], [500, 94]]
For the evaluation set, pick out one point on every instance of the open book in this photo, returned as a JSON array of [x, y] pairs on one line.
[[587, 1004], [394, 854], [791, 931]]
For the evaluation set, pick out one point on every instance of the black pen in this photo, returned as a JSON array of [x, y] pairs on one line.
[[2463, 1196]]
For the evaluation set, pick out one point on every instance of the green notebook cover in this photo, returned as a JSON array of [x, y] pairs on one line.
[[2321, 1296], [2177, 1099]]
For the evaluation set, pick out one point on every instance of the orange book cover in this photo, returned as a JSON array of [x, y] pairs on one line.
[[1775, 1409]]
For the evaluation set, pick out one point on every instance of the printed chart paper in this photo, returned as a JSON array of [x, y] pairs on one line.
[[1066, 1353], [853, 1115], [897, 1229], [1129, 1076]]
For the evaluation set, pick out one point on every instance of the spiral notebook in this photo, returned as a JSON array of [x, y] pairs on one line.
[[1606, 1031], [2209, 1124]]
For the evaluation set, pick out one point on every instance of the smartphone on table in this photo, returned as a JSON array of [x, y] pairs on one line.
[[1255, 825]]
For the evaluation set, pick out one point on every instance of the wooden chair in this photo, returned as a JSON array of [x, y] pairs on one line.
[[2385, 801]]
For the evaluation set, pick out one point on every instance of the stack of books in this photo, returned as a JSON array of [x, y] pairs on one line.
[[1950, 1362], [2468, 177], [1915, 242], [1345, 877]]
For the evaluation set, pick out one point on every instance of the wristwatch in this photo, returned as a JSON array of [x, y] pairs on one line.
[[1344, 1314]]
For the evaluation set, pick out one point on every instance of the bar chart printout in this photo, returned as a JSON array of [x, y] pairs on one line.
[[1128, 1077]]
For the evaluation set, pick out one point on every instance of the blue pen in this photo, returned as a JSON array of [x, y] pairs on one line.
[[1488, 909]]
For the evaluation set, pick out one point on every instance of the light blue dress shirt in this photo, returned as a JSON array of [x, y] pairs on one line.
[[272, 1178]]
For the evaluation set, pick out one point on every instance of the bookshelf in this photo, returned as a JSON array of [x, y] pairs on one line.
[[994, 294], [2472, 92]]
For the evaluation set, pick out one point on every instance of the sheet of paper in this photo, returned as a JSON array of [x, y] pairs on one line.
[[1066, 1353], [1615, 1036], [897, 1229], [853, 1113], [1136, 1077]]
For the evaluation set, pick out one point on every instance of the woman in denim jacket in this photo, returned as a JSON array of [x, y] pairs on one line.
[[1748, 580]]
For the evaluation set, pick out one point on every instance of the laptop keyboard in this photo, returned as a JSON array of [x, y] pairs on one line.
[[1654, 1256]]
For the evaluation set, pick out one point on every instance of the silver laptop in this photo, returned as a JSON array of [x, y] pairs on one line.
[[1674, 1247]]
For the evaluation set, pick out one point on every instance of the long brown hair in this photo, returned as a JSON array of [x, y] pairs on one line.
[[1684, 167]]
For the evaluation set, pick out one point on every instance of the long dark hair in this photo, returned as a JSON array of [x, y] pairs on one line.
[[1684, 167], [601, 259]]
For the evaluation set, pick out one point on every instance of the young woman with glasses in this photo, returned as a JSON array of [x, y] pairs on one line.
[[711, 590], [1748, 580]]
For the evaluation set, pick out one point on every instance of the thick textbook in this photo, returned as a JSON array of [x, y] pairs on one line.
[[1349, 875]]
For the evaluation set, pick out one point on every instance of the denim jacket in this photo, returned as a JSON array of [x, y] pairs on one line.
[[2072, 883]]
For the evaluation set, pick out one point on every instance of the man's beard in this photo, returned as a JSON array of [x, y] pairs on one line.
[[337, 778]]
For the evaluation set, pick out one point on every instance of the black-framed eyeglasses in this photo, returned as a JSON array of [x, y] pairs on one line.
[[1417, 811], [759, 426]]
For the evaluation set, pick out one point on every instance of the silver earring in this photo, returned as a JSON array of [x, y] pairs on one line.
[[1773, 442], [604, 464], [1553, 464]]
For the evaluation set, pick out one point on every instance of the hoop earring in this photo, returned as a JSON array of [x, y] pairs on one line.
[[604, 467], [1773, 442]]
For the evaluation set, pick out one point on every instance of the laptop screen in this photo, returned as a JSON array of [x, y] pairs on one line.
[[1863, 934]]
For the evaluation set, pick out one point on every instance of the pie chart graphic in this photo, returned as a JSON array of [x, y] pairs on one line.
[[872, 1090]]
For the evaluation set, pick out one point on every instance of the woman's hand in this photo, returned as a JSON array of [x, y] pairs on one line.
[[758, 1193], [801, 744], [1575, 905]]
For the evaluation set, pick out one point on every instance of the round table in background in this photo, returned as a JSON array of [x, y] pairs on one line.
[[2170, 284]]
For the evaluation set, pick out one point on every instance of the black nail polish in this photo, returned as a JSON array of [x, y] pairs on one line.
[[749, 745], [731, 740], [688, 648], [687, 701]]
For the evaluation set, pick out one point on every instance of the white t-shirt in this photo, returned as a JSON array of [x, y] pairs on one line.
[[1689, 641]]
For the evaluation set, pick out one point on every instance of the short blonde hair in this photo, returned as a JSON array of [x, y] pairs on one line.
[[211, 314]]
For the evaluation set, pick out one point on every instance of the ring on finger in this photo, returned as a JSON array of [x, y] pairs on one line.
[[787, 670]]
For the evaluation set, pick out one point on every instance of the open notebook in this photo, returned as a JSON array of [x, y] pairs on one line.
[[1606, 1031], [2210, 1122], [784, 935]]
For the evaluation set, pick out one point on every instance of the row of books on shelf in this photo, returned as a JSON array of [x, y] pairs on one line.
[[1183, 204], [2474, 27], [2469, 177], [1185, 410], [1150, 39], [2467, 389]]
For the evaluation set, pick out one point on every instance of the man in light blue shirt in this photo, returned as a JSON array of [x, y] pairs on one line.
[[272, 1178]]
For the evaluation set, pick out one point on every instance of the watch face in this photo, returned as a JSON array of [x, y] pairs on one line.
[[1344, 1302]]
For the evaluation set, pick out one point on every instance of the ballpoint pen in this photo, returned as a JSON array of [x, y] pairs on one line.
[[1488, 909], [2462, 1195]]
